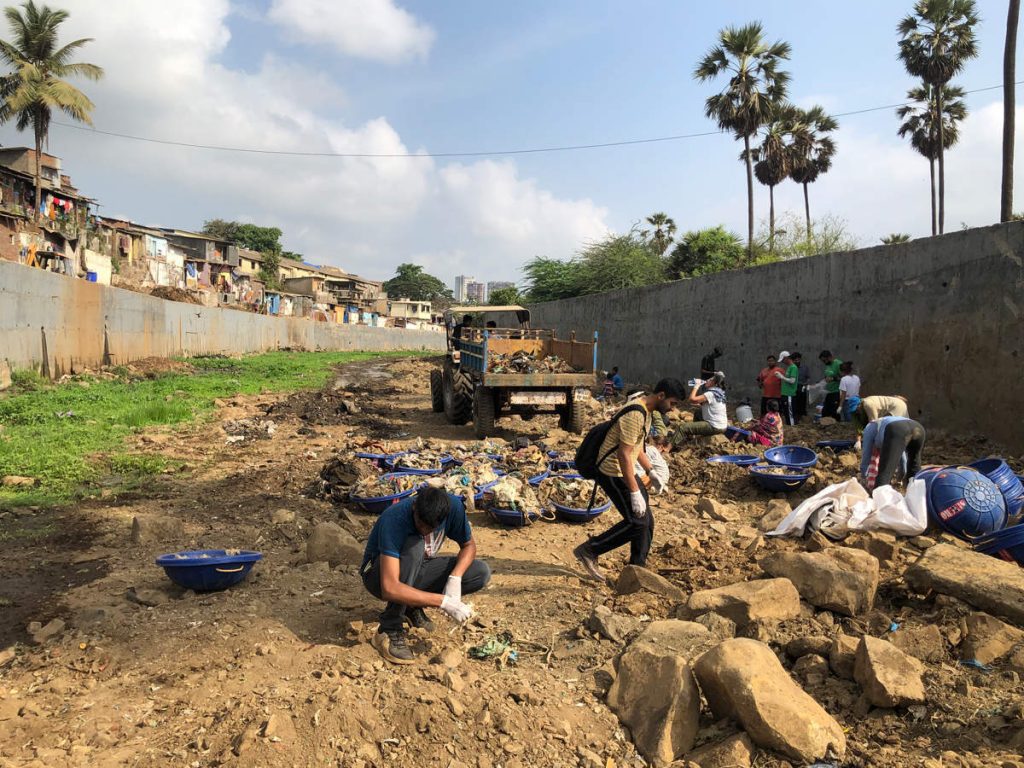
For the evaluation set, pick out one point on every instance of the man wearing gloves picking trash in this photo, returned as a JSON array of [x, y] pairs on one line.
[[401, 566]]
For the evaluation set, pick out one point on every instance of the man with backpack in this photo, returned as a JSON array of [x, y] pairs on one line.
[[607, 455]]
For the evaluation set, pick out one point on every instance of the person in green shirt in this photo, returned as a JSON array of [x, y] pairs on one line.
[[790, 387], [832, 377]]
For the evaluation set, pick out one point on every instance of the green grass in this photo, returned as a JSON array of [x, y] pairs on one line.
[[68, 436]]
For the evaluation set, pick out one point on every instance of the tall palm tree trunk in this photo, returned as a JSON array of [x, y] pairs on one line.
[[931, 197], [39, 172], [942, 161], [750, 199], [1009, 109], [771, 219], [807, 212]]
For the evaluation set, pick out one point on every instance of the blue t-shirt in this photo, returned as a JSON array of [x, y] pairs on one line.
[[617, 381], [395, 525]]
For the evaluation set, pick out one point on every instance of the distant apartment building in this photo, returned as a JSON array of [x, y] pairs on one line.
[[476, 292], [498, 285], [461, 284]]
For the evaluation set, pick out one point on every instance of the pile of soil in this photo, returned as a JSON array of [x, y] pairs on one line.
[[170, 293]]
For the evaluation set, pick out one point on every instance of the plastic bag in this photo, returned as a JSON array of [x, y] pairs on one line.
[[885, 509], [891, 511], [842, 496]]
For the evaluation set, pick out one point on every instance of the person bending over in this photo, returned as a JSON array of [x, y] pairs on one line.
[[401, 566], [891, 443]]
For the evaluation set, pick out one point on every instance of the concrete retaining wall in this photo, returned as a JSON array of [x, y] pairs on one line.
[[78, 323], [940, 320]]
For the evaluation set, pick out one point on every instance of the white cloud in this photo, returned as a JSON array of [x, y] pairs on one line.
[[369, 29]]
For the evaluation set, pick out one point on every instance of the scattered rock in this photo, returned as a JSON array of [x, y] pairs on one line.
[[733, 752], [282, 516], [842, 656], [884, 546], [450, 658], [925, 643], [244, 741], [775, 513], [684, 638], [156, 529], [150, 598], [18, 481], [987, 638], [635, 578], [280, 727], [655, 696], [985, 582], [719, 626], [889, 677], [613, 626], [811, 668], [743, 680], [40, 633], [801, 646], [748, 601], [717, 510], [840, 579], [329, 542]]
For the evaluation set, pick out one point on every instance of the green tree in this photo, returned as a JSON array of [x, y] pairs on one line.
[[411, 282], [252, 236], [921, 125], [936, 42], [773, 159], [755, 85], [812, 151], [620, 261], [831, 234], [704, 252], [504, 297], [36, 86], [550, 279], [291, 255], [896, 238], [270, 272], [663, 232], [221, 229], [1009, 109]]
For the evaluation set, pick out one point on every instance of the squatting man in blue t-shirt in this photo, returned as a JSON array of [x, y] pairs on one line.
[[401, 567]]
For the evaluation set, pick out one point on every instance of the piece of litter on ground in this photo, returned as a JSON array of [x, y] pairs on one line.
[[975, 664]]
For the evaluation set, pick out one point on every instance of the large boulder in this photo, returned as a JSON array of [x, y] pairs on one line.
[[655, 696], [329, 542], [635, 578], [842, 656], [742, 679], [157, 529], [613, 626], [684, 638], [775, 512], [988, 639], [888, 676], [837, 579], [733, 752], [985, 582], [925, 643], [749, 601]]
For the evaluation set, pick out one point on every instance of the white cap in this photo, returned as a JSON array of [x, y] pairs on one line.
[[783, 355]]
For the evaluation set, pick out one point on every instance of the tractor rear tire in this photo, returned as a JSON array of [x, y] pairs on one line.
[[436, 390], [483, 412], [458, 396], [571, 419]]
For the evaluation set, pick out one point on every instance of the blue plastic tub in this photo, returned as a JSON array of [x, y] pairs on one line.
[[836, 445], [1007, 544], [562, 466], [377, 504], [964, 502], [395, 458], [538, 479], [481, 490], [999, 472], [739, 459], [91, 277], [791, 456], [777, 483], [207, 570], [573, 515], [733, 433], [379, 460], [511, 518]]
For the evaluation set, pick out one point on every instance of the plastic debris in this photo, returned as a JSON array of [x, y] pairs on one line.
[[522, 361]]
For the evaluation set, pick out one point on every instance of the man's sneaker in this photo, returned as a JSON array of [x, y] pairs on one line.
[[419, 619], [392, 646], [589, 563]]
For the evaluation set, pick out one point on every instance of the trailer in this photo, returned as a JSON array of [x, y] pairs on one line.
[[467, 388]]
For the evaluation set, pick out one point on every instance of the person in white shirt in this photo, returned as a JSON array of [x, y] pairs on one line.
[[712, 408], [656, 449], [849, 391]]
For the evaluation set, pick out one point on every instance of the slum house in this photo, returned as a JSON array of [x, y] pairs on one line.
[[355, 297], [249, 285], [55, 240], [409, 313], [142, 256], [309, 282], [209, 264]]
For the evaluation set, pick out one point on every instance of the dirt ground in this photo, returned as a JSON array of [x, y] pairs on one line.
[[279, 671]]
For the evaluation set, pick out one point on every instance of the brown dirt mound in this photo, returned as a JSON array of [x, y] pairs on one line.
[[174, 294]]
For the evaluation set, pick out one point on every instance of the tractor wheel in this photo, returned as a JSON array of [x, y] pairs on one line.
[[458, 395], [436, 390], [571, 418], [483, 412]]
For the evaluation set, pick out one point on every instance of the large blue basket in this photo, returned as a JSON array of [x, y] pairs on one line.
[[739, 459], [999, 472], [791, 456], [377, 504], [778, 483], [207, 570], [965, 503], [394, 461], [1007, 544]]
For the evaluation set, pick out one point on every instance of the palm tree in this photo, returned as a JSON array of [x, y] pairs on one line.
[[1009, 109], [773, 160], [812, 152], [936, 42], [664, 231], [35, 87], [755, 85], [896, 238], [921, 124]]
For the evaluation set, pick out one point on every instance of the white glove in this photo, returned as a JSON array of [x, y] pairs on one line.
[[453, 588], [636, 500], [656, 484], [457, 610]]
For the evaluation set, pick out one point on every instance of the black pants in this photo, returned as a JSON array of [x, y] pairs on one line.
[[420, 573], [635, 531], [764, 405], [800, 403], [831, 405], [904, 436], [789, 409]]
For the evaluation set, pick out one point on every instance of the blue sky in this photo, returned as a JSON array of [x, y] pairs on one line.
[[381, 76]]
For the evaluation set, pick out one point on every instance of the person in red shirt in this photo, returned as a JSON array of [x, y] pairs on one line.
[[770, 383]]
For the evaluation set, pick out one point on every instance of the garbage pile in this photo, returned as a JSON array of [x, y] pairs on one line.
[[239, 430], [522, 361], [424, 459], [531, 461], [384, 485], [514, 494], [574, 493], [338, 476]]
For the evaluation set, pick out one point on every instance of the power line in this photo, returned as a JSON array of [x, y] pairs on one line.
[[528, 151]]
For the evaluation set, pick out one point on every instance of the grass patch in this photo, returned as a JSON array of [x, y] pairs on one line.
[[54, 433]]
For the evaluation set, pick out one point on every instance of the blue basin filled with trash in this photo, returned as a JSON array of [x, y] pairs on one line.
[[770, 479], [538, 479], [791, 456], [964, 502], [1007, 544], [208, 570], [379, 460], [573, 514], [377, 504], [739, 459], [511, 517], [395, 462]]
